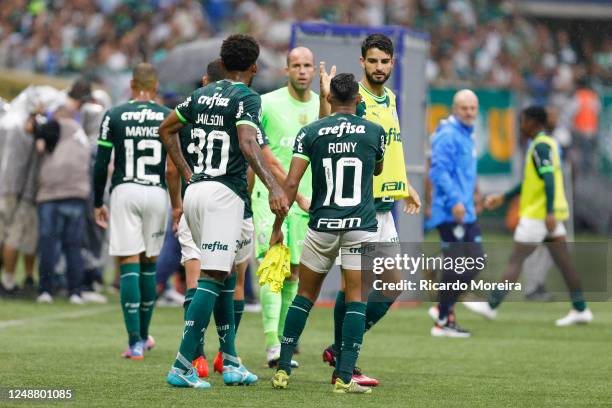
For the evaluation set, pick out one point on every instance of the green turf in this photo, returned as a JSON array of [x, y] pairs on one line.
[[520, 360]]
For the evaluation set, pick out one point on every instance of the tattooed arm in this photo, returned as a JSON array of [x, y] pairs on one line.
[[169, 137]]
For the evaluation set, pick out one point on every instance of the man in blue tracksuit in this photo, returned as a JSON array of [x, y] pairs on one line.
[[453, 178]]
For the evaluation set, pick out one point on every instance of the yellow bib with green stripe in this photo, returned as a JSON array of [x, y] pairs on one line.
[[382, 110], [533, 196]]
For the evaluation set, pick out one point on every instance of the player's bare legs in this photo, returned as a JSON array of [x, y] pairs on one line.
[[9, 256], [520, 252], [28, 263], [580, 313]]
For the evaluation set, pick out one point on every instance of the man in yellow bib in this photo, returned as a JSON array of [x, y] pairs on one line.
[[543, 209], [377, 105]]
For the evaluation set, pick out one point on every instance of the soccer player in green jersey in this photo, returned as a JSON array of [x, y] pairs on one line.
[[378, 104], [345, 152], [543, 209], [192, 148], [284, 112], [139, 203], [226, 115]]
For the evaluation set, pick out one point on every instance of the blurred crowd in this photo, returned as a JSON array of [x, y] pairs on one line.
[[476, 42], [473, 43]]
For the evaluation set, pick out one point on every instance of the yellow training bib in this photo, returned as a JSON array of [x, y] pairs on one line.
[[392, 182], [533, 196]]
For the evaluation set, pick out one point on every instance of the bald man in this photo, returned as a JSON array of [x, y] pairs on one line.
[[453, 178], [138, 201], [284, 112]]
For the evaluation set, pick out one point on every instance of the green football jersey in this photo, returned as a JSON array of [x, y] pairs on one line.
[[193, 150], [282, 116], [214, 113], [342, 150], [130, 130]]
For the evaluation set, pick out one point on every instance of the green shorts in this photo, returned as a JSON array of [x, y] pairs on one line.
[[294, 229]]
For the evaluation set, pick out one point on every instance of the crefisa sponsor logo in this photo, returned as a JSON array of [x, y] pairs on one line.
[[214, 246]]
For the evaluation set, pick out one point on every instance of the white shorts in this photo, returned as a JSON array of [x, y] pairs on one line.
[[386, 227], [189, 250], [321, 249], [138, 216], [245, 245], [531, 230], [18, 224], [214, 215]]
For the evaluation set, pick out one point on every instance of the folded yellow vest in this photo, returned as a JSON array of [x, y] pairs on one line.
[[275, 267]]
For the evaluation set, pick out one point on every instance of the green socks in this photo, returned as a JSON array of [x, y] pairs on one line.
[[224, 317], [352, 337], [271, 304], [147, 297], [130, 300], [198, 317], [288, 293], [294, 325], [376, 308], [578, 302], [496, 297], [188, 297], [339, 312], [238, 310]]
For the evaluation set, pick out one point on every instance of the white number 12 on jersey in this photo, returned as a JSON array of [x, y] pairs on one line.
[[142, 161]]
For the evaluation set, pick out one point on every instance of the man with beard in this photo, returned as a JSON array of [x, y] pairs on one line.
[[378, 105]]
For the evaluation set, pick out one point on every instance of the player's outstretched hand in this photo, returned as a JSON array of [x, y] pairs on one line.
[[279, 204], [176, 217], [412, 203], [493, 201], [325, 79], [101, 216]]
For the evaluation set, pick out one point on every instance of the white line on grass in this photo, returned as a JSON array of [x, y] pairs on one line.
[[68, 315]]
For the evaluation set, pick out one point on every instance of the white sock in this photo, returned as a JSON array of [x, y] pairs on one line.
[[8, 280]]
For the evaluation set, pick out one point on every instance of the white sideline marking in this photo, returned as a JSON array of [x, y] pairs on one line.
[[68, 315]]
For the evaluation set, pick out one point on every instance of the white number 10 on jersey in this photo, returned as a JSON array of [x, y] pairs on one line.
[[336, 185]]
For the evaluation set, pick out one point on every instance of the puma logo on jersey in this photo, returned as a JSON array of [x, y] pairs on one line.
[[215, 100], [141, 116], [341, 129]]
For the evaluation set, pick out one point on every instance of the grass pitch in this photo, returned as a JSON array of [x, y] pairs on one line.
[[519, 360]]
